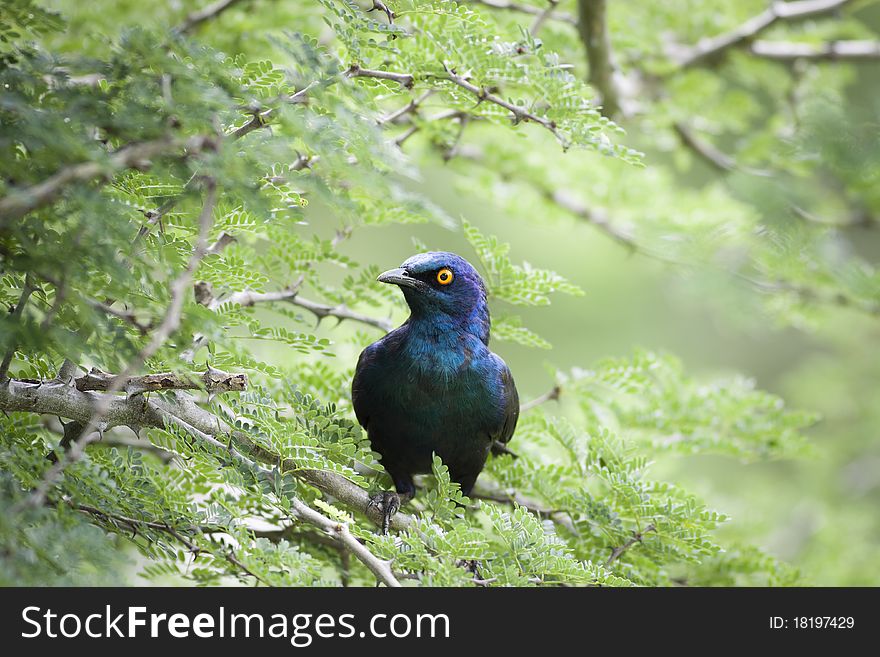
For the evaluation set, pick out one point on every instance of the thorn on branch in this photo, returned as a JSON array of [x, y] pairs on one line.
[[403, 79]]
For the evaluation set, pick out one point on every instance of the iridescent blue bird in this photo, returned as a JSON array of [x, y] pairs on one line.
[[432, 385]]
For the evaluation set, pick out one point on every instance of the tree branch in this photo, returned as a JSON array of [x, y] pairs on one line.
[[542, 18], [209, 12], [411, 107], [125, 315], [592, 216], [212, 380], [341, 534], [340, 311], [525, 9], [637, 538], [710, 50], [97, 419], [26, 290], [403, 79], [62, 400], [593, 28], [707, 152], [550, 395], [784, 51], [136, 156], [816, 295], [519, 114]]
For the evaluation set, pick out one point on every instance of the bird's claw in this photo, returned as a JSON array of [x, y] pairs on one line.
[[387, 503]]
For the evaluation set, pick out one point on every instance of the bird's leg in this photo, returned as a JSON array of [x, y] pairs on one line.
[[388, 502]]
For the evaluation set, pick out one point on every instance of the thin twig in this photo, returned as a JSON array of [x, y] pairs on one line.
[[542, 18], [381, 6], [637, 538], [209, 12], [411, 107], [320, 310], [26, 291], [716, 158], [127, 316], [519, 113], [550, 395], [525, 9]]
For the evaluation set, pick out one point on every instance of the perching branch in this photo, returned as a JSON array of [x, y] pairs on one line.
[[341, 534], [783, 51], [63, 400], [593, 28], [136, 156], [710, 50]]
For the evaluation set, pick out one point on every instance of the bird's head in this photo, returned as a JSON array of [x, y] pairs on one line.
[[440, 283]]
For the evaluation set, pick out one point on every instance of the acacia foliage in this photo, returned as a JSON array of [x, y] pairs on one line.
[[122, 162]]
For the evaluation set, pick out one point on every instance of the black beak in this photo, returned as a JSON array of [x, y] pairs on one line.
[[400, 277]]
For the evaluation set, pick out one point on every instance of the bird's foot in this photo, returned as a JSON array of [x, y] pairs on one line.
[[387, 503]]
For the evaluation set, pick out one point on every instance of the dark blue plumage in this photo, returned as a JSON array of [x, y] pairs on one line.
[[432, 385]]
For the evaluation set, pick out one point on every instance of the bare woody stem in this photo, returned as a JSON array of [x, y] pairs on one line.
[[637, 538], [320, 310], [519, 114], [212, 380], [340, 534], [710, 50], [593, 28], [550, 395], [207, 13], [137, 156], [506, 5], [783, 51], [63, 400], [26, 291], [403, 79]]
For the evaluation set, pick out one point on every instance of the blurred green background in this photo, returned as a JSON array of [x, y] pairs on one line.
[[820, 513]]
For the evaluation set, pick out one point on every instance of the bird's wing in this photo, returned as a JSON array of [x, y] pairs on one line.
[[360, 386], [511, 406]]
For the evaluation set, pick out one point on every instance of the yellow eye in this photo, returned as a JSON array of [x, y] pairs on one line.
[[444, 276]]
